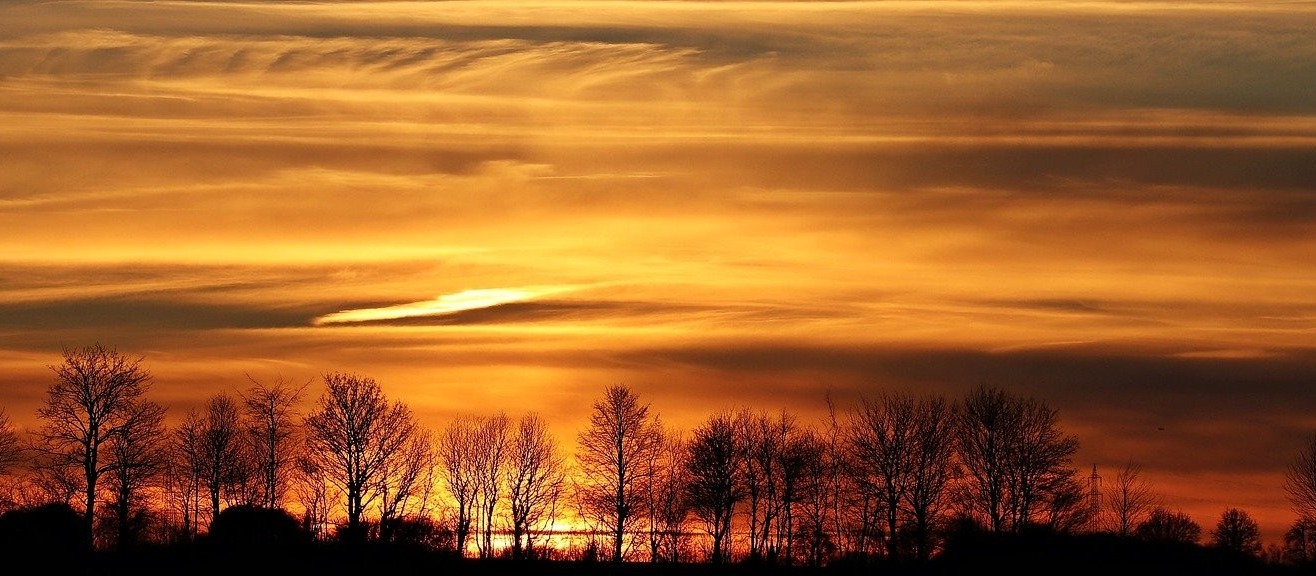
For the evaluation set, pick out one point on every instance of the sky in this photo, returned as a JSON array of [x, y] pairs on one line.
[[504, 205]]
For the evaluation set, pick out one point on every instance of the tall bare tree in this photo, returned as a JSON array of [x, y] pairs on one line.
[[490, 462], [352, 433], [223, 451], [458, 453], [793, 463], [934, 468], [817, 481], [139, 454], [716, 465], [763, 439], [271, 421], [187, 470], [535, 480], [621, 436], [11, 450], [95, 395], [1129, 499], [313, 489], [407, 483], [882, 449], [1300, 481], [666, 506], [1012, 448]]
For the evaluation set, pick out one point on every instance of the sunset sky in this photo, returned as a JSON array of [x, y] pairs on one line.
[[510, 205]]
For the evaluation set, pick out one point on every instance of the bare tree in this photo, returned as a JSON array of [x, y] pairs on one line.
[[139, 454], [313, 493], [406, 483], [269, 414], [458, 450], [882, 448], [1012, 449], [762, 440], [1237, 531], [666, 506], [793, 463], [535, 479], [621, 436], [352, 433], [1300, 481], [716, 464], [223, 453], [186, 472], [11, 450], [813, 460], [490, 461], [1063, 504], [1299, 545], [94, 396], [933, 468], [1129, 499]]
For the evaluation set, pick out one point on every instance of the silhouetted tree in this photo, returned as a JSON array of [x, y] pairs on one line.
[[11, 450], [1012, 448], [535, 479], [312, 487], [611, 452], [139, 454], [765, 440], [934, 466], [817, 496], [95, 395], [184, 479], [882, 447], [1238, 532], [759, 443], [406, 483], [351, 435], [1299, 546], [459, 454], [1300, 481], [1164, 526], [666, 506], [793, 462], [1063, 506], [490, 462], [715, 464], [1129, 498], [224, 456], [271, 422]]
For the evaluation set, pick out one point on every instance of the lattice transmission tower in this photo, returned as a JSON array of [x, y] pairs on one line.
[[1094, 500]]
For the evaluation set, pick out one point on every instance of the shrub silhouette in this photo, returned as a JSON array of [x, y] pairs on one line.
[[245, 529], [54, 531]]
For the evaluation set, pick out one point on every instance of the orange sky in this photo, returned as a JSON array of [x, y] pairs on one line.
[[510, 205]]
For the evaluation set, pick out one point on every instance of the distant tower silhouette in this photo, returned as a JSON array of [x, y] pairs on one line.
[[1094, 500]]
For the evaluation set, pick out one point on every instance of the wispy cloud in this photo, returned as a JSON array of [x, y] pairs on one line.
[[472, 299]]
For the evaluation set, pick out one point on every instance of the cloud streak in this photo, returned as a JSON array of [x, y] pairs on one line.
[[445, 304]]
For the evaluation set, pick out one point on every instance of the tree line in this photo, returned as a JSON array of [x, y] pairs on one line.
[[891, 480]]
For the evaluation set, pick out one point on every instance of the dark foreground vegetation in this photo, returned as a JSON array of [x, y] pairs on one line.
[[241, 543]]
